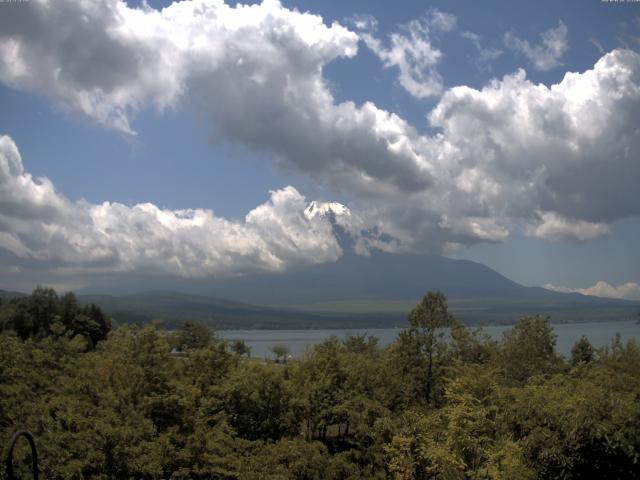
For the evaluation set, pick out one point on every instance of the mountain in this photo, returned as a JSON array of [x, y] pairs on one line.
[[384, 276], [8, 294], [361, 291], [384, 283], [170, 309], [355, 292]]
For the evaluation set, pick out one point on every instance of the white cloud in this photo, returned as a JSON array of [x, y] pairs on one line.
[[596, 43], [510, 156], [543, 56], [38, 223], [108, 60], [412, 51], [555, 227], [534, 153], [485, 55], [627, 291]]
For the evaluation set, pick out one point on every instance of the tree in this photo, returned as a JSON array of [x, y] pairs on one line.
[[43, 314], [472, 345], [582, 352], [422, 345], [280, 351], [259, 404], [360, 343], [529, 349], [193, 336], [68, 309], [320, 380], [16, 317], [292, 459], [241, 348], [91, 323], [43, 306]]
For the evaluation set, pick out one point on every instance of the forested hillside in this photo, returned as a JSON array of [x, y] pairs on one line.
[[125, 407]]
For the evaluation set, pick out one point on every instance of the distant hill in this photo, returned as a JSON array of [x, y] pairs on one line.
[[8, 295], [356, 292], [363, 291], [170, 309]]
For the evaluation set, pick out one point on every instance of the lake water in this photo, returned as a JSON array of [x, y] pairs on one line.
[[261, 341]]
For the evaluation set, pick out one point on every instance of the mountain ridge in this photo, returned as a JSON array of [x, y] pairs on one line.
[[381, 276], [356, 292]]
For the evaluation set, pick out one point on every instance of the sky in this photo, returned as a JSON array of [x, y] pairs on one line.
[[200, 139]]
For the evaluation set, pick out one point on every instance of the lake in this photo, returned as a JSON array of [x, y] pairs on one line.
[[261, 341]]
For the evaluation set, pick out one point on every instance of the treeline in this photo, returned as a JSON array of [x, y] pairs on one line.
[[430, 405], [44, 314]]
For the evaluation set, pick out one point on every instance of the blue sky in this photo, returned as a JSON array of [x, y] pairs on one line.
[[122, 112]]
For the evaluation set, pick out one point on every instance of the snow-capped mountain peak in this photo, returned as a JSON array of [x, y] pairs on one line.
[[321, 209]]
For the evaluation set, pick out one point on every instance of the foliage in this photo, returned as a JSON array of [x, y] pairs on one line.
[[44, 314], [422, 350], [259, 404], [241, 348], [582, 351], [193, 336], [529, 349], [431, 405], [281, 352]]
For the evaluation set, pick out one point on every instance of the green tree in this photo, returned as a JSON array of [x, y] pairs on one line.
[[281, 352], [44, 308], [241, 348], [422, 346], [259, 403], [68, 309], [472, 345], [43, 314], [91, 323], [529, 349], [360, 343], [193, 336], [320, 380], [290, 459], [582, 352], [206, 369], [16, 316], [580, 425]]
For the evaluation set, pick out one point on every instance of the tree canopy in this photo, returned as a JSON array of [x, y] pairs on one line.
[[441, 402], [44, 314]]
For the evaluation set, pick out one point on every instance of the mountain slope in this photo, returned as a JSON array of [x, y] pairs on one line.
[[357, 292], [384, 276], [172, 308], [8, 294]]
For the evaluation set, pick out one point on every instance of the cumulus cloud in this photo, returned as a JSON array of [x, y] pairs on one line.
[[534, 152], [545, 55], [511, 155], [627, 291], [39, 223], [108, 60], [255, 71], [411, 50], [555, 227]]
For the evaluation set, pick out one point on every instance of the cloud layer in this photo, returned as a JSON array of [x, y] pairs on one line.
[[627, 291], [556, 162], [38, 223]]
